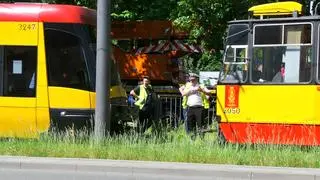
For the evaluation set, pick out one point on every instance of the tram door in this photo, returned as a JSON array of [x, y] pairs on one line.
[[18, 64]]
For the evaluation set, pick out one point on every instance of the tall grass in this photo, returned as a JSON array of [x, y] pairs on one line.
[[173, 146]]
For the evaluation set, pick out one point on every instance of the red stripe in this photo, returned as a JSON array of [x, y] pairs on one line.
[[271, 133], [188, 47], [185, 46], [139, 50], [159, 47], [154, 47], [37, 12], [167, 45], [175, 46], [143, 50], [179, 45], [170, 46]]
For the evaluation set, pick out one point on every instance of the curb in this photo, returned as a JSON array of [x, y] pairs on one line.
[[152, 167]]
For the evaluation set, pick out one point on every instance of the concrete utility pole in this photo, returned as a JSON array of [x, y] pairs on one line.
[[102, 111]]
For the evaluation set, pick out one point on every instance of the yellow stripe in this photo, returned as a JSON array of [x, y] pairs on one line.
[[19, 33], [60, 97], [43, 116], [292, 104], [115, 92]]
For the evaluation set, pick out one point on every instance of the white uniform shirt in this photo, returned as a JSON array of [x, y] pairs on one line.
[[194, 97]]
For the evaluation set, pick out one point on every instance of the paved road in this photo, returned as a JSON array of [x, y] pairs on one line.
[[17, 168]]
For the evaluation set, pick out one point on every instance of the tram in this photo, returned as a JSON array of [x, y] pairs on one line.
[[269, 87], [48, 67]]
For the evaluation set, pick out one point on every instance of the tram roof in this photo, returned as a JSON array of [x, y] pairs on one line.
[[278, 20], [42, 12]]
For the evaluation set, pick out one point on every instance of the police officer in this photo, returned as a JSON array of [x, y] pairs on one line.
[[143, 96], [196, 100], [184, 98]]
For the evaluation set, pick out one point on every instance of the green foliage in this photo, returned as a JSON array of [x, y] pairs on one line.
[[86, 3], [206, 20], [142, 9], [125, 15], [172, 147]]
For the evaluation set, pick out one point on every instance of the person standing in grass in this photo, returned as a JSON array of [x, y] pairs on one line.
[[196, 99], [184, 99], [144, 100]]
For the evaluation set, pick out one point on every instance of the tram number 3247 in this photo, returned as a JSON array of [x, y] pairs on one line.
[[26, 27], [231, 110]]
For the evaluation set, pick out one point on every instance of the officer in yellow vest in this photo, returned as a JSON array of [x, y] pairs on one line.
[[184, 98], [195, 100], [206, 103], [146, 110]]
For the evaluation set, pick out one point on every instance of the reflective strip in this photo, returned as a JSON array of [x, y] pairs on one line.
[[176, 45]]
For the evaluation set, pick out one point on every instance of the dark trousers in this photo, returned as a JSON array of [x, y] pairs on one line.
[[145, 120], [194, 119], [184, 113], [205, 117]]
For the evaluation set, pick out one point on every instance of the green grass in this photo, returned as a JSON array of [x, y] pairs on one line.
[[173, 147]]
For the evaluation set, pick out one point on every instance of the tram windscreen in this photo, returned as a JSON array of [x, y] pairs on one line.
[[235, 57], [115, 76], [71, 56], [237, 34]]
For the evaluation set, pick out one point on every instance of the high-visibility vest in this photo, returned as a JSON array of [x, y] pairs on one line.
[[142, 97], [184, 98], [205, 101]]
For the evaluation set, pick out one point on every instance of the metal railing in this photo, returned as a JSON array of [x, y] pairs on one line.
[[168, 109]]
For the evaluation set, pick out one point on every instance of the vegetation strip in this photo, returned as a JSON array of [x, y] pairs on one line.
[[173, 147]]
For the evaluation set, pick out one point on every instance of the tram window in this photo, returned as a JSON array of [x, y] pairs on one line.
[[282, 64], [20, 71], [297, 34], [238, 34], [233, 73], [65, 60], [235, 55], [235, 65], [240, 54], [268, 35], [229, 55]]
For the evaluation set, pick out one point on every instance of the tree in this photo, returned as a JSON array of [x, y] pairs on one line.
[[206, 20]]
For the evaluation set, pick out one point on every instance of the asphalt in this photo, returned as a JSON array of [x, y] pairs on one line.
[[14, 168]]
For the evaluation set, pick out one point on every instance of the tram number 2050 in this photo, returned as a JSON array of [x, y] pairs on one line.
[[231, 110]]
